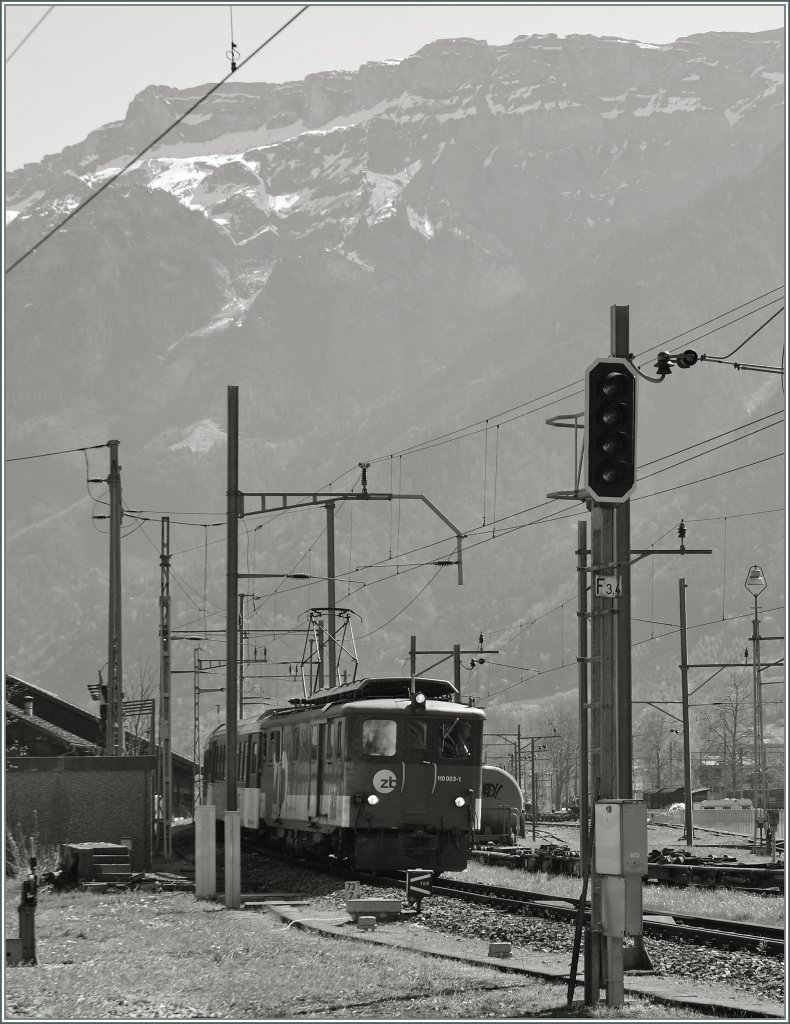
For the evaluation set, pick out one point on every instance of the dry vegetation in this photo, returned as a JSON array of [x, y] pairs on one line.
[[169, 956]]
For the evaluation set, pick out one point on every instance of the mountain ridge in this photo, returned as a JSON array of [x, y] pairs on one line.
[[373, 286]]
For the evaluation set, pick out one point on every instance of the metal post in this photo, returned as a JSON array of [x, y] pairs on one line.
[[624, 754], [241, 655], [584, 796], [231, 592], [114, 739], [413, 665], [457, 670], [196, 752], [165, 711], [330, 572], [518, 756], [757, 761], [684, 694], [534, 789], [761, 727]]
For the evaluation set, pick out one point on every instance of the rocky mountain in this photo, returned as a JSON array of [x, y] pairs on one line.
[[377, 259]]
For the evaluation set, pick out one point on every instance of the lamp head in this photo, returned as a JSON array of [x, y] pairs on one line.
[[755, 580]]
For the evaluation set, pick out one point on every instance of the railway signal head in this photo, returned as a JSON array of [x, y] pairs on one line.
[[610, 430]]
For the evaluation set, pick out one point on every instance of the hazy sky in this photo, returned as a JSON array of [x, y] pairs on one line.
[[83, 64]]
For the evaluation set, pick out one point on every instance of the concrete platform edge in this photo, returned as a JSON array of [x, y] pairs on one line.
[[723, 1008]]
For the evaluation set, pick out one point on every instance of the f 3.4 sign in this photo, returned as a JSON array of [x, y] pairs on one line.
[[608, 586]]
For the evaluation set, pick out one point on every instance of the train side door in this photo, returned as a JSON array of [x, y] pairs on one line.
[[278, 774], [315, 770]]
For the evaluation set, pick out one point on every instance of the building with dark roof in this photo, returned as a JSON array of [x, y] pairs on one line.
[[39, 723]]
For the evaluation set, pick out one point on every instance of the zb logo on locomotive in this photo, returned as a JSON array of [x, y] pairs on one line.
[[385, 781]]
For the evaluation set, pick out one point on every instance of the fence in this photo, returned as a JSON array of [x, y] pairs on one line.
[[736, 821]]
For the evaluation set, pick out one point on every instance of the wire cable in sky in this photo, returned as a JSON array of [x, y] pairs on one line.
[[739, 347], [178, 120], [66, 451], [30, 33], [478, 426]]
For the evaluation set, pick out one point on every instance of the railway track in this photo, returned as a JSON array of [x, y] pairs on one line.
[[679, 928], [719, 933]]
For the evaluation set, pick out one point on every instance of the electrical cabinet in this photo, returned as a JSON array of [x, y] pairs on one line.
[[621, 837]]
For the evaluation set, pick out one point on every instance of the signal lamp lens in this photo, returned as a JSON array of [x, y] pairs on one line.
[[373, 799], [460, 802]]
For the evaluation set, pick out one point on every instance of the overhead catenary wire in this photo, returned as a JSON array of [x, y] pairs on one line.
[[110, 181], [478, 426], [739, 347], [25, 38], [65, 451]]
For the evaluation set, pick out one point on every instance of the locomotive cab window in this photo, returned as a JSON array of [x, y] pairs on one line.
[[379, 737], [274, 748], [456, 739], [416, 736]]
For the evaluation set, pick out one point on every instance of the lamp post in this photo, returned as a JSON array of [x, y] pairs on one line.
[[756, 584]]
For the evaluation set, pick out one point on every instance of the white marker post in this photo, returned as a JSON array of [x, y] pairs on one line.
[[232, 860], [205, 852]]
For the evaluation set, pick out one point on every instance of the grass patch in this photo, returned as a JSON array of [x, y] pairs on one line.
[[169, 956]]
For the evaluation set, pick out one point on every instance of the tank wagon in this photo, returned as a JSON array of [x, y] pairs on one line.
[[502, 807], [376, 773]]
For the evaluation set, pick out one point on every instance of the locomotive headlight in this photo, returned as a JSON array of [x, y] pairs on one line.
[[460, 801], [418, 700], [373, 799]]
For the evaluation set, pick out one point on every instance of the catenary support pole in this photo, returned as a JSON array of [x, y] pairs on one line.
[[241, 655], [330, 572], [684, 693], [584, 795], [114, 739], [165, 710], [231, 597]]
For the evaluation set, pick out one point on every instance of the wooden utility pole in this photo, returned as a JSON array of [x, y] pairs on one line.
[[114, 739]]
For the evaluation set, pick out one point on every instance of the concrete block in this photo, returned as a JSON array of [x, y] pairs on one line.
[[13, 952], [499, 949], [366, 924], [380, 908]]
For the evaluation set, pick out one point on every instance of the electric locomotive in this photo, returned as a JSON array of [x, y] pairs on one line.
[[381, 774]]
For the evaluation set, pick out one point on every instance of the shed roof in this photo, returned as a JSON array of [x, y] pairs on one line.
[[41, 725]]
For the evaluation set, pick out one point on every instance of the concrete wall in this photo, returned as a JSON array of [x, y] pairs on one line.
[[83, 800]]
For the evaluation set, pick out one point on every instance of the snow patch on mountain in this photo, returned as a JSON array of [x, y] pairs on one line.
[[659, 104], [202, 437], [419, 222]]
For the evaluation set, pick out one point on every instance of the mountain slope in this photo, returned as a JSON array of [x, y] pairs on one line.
[[378, 258]]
